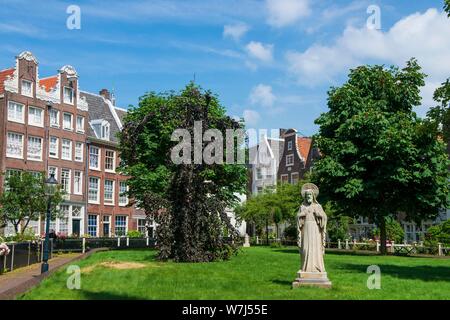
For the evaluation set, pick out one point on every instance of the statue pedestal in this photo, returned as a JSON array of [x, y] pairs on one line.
[[316, 279]]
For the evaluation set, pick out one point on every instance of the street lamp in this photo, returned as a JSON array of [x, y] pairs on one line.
[[50, 189]]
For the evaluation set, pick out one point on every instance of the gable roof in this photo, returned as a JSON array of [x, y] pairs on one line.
[[99, 109], [49, 83], [304, 146], [5, 74], [121, 113]]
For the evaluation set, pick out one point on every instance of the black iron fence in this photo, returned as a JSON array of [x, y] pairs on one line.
[[22, 254]]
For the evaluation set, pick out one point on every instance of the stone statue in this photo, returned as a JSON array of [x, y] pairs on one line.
[[312, 228]]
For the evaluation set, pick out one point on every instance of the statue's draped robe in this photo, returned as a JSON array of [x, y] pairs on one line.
[[312, 222]]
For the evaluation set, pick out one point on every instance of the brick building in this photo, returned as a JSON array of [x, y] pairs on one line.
[[47, 125]]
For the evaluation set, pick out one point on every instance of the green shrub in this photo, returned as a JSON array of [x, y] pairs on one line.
[[134, 234], [275, 244], [439, 233], [394, 231]]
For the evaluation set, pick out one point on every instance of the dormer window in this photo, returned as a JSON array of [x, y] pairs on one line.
[[68, 95], [27, 88], [101, 128], [105, 131], [289, 145]]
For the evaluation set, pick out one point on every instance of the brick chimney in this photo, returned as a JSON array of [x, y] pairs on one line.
[[105, 94]]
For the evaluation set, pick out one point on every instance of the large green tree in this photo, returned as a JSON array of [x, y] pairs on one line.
[[378, 157], [188, 199], [23, 200]]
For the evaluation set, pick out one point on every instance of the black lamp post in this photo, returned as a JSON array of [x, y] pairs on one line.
[[50, 189]]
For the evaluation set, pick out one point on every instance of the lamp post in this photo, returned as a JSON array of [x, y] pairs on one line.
[[50, 189]]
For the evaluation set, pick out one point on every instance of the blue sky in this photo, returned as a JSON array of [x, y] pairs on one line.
[[270, 61]]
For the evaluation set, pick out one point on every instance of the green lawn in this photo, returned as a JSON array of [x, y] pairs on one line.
[[256, 273]]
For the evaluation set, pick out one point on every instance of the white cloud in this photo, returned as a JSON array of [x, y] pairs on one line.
[[260, 51], [262, 95], [425, 36], [282, 13], [251, 117], [235, 31]]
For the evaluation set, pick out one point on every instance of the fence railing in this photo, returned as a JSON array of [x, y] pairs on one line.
[[375, 246], [23, 254]]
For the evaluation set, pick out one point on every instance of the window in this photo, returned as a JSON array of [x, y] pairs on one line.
[[15, 112], [66, 149], [80, 124], [65, 180], [34, 148], [259, 190], [63, 222], [284, 178], [14, 145], [77, 211], [93, 194], [289, 145], [79, 151], [121, 225], [78, 182], [105, 131], [92, 225], [68, 95], [109, 192], [35, 117], [54, 117], [109, 160], [106, 226], [258, 174], [123, 198], [141, 226], [290, 160], [67, 121], [53, 170], [94, 158], [27, 88], [294, 178], [53, 147]]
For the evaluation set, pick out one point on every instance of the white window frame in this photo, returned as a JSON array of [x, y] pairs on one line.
[[7, 143], [121, 203], [108, 202], [114, 161], [289, 156], [108, 222], [69, 189], [98, 158], [292, 177], [72, 95], [80, 129], [290, 145], [285, 176], [126, 224], [81, 149], [55, 125], [80, 183], [71, 121], [31, 121], [90, 225], [31, 158], [97, 200], [62, 150], [12, 115], [57, 147], [27, 94]]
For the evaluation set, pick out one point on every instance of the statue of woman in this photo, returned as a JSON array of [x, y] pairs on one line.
[[311, 226]]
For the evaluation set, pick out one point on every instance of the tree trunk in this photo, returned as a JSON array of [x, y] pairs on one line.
[[267, 231], [383, 248]]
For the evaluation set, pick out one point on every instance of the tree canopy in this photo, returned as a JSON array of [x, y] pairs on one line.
[[378, 157], [23, 200], [188, 199]]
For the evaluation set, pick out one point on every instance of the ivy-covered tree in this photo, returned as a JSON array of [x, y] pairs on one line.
[[378, 157], [23, 200], [188, 199]]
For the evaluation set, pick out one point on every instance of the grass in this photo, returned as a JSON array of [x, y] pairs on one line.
[[256, 273]]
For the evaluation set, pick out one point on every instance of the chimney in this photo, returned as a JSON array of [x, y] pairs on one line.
[[105, 94]]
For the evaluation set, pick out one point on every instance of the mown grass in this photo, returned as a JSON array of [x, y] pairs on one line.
[[255, 273]]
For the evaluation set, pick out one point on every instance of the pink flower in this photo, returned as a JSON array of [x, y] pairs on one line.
[[4, 250]]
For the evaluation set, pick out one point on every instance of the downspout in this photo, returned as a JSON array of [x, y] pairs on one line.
[[86, 184]]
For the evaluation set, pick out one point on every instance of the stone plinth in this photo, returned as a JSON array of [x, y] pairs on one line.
[[316, 279]]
